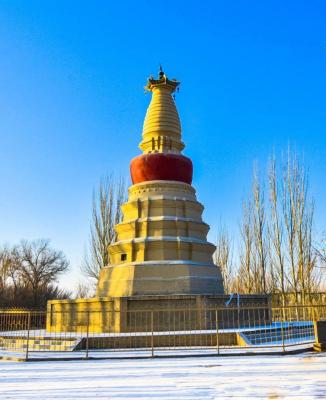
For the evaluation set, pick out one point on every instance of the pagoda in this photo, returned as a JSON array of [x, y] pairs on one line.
[[161, 260], [161, 246]]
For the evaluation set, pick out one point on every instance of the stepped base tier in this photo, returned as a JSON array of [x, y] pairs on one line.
[[162, 242]]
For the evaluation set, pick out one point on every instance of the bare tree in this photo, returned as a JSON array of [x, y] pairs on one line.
[[277, 253], [4, 267], [320, 250], [310, 275], [106, 213], [298, 214], [291, 231], [275, 232], [259, 234], [244, 276], [39, 265], [10, 272], [84, 290], [223, 258], [289, 189]]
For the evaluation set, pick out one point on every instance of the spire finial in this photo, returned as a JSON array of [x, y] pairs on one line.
[[161, 81], [161, 73]]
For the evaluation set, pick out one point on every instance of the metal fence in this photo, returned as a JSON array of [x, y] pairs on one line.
[[223, 330]]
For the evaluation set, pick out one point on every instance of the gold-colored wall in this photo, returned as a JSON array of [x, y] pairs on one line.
[[134, 313]]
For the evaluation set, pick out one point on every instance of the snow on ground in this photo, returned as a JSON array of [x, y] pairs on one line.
[[245, 377]]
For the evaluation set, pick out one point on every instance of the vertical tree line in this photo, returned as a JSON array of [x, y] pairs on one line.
[[277, 250]]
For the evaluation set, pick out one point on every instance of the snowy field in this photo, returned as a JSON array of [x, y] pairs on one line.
[[264, 377]]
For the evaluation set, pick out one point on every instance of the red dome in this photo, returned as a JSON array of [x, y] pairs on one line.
[[161, 166]]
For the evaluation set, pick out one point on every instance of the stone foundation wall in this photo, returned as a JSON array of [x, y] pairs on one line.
[[157, 313]]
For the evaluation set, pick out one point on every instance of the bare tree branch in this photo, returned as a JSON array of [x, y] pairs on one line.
[[106, 213]]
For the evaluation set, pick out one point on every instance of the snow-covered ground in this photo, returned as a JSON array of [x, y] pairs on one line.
[[244, 377]]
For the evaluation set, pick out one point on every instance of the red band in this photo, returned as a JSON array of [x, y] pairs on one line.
[[161, 166]]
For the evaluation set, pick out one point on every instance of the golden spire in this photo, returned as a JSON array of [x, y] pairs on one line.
[[162, 129]]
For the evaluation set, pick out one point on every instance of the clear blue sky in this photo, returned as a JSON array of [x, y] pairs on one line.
[[72, 102]]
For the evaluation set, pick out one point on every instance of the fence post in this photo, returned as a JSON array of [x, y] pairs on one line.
[[282, 333], [217, 334], [152, 329], [27, 339], [87, 335]]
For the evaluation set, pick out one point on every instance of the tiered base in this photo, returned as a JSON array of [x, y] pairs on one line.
[[160, 277]]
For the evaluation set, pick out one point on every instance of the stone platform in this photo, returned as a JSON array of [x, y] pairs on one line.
[[320, 335], [157, 313]]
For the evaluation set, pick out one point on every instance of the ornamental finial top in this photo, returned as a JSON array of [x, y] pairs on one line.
[[161, 81]]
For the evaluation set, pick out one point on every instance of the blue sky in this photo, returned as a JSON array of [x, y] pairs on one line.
[[72, 102]]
